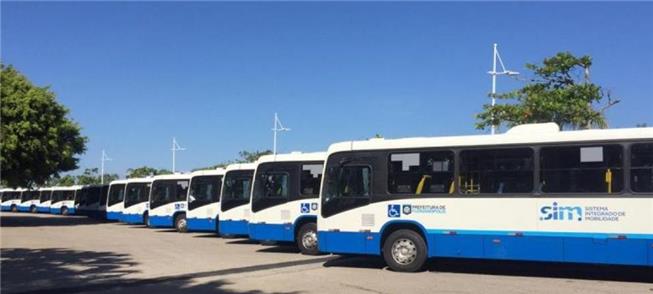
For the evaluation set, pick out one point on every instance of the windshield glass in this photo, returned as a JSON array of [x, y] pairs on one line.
[[167, 191], [30, 195], [10, 195], [137, 193], [204, 190], [116, 194], [57, 196], [236, 189], [45, 195]]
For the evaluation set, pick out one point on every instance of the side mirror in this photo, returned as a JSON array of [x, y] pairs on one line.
[[191, 198]]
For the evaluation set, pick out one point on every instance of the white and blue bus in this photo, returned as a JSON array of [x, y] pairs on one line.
[[44, 200], [203, 203], [63, 200], [115, 199], [234, 199], [285, 198], [11, 199], [89, 200], [135, 202], [29, 200], [533, 193], [168, 201]]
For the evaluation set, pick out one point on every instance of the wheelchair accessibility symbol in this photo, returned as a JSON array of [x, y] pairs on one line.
[[394, 210], [305, 207], [314, 206]]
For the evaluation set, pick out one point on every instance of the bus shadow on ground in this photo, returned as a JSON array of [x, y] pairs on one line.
[[29, 220], [57, 270], [512, 268]]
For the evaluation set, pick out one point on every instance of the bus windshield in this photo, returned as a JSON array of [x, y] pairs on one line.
[[204, 190], [167, 191], [10, 195], [116, 194], [137, 193], [236, 190], [30, 195], [45, 195]]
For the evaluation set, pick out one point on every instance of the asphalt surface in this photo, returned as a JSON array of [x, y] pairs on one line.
[[56, 254]]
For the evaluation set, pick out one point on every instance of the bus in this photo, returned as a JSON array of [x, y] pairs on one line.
[[203, 202], [168, 201], [135, 206], [11, 199], [88, 200], [234, 199], [285, 195], [115, 199], [63, 200], [534, 193], [29, 200], [45, 196]]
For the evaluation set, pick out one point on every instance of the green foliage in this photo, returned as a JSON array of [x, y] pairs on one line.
[[243, 157], [38, 139], [560, 92], [144, 171], [91, 176], [67, 180]]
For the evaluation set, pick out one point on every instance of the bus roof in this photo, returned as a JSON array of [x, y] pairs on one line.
[[208, 172], [293, 156], [523, 134], [241, 166], [171, 177], [118, 182], [73, 187], [138, 180]]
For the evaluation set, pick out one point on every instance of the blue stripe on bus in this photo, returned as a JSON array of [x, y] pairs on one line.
[[113, 215], [272, 232], [630, 249], [43, 209], [201, 224], [131, 218], [231, 227], [24, 208], [161, 221], [6, 207]]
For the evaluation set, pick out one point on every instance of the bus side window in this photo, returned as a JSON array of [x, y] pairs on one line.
[[581, 169], [421, 173], [496, 171], [641, 167]]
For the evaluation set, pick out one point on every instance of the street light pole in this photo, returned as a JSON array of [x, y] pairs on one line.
[[497, 57], [175, 148], [104, 158], [278, 127]]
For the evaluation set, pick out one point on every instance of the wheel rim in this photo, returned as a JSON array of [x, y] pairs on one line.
[[404, 251], [181, 224], [309, 240], [64, 211]]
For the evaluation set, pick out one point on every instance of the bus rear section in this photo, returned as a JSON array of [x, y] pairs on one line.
[[89, 200], [135, 205], [63, 200], [285, 199], [234, 199], [45, 195], [203, 203], [29, 201], [534, 193], [168, 201], [11, 199], [115, 198]]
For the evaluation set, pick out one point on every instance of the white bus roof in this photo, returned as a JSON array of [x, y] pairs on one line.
[[241, 166], [59, 188], [523, 134], [209, 172], [170, 177], [118, 182], [293, 156], [139, 180]]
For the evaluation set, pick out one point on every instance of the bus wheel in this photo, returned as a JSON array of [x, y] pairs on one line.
[[64, 211], [14, 208], [146, 220], [32, 209], [180, 223], [307, 239], [405, 251]]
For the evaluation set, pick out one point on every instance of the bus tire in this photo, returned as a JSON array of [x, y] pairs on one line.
[[32, 209], [14, 208], [405, 251], [146, 219], [307, 239], [181, 225], [64, 210]]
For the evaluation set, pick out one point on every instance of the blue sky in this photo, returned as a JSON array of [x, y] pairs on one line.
[[212, 74]]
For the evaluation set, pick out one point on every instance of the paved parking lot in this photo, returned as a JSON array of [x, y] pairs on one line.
[[46, 253]]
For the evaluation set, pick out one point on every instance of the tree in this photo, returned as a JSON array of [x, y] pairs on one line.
[[560, 92], [145, 171], [67, 180], [91, 176], [38, 140]]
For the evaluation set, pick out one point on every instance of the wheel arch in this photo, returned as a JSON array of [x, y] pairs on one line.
[[302, 220], [392, 226]]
